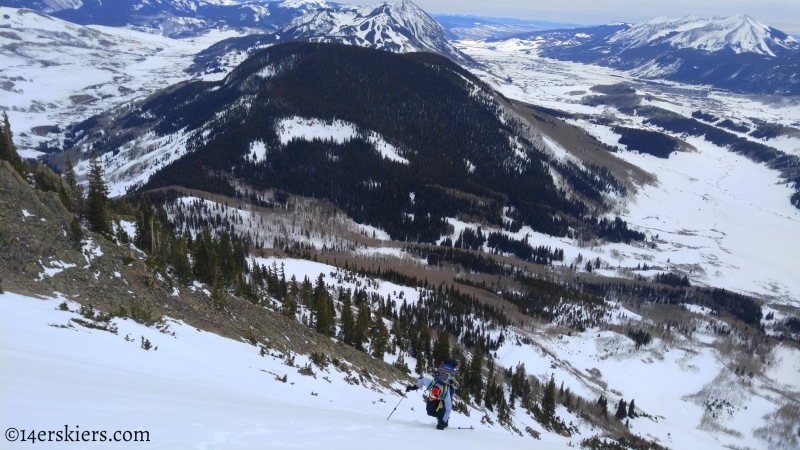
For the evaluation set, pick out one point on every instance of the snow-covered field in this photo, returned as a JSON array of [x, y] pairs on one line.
[[720, 218]]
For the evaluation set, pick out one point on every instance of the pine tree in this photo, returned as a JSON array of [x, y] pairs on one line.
[[362, 327], [76, 190], [8, 151], [632, 409], [144, 224], [622, 410], [69, 174], [206, 263], [76, 232], [180, 260], [323, 318], [348, 322], [441, 350], [292, 296], [96, 212], [549, 399], [419, 367], [488, 399], [380, 336], [475, 375]]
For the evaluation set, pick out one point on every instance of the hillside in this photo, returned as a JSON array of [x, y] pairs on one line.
[[368, 125]]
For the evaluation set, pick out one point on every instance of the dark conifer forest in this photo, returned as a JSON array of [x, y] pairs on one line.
[[444, 121]]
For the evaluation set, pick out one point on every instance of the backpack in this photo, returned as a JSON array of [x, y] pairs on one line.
[[443, 380]]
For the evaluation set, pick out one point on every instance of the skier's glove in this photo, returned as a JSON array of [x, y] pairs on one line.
[[411, 387]]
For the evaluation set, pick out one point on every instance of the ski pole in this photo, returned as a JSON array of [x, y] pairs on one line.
[[466, 428], [395, 408]]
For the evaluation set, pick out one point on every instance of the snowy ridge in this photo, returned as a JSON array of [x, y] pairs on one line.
[[304, 4], [740, 34], [738, 54], [399, 27]]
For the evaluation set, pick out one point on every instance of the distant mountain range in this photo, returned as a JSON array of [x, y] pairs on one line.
[[173, 17], [399, 27], [736, 53], [477, 27]]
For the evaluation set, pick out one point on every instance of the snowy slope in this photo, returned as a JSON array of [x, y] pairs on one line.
[[169, 17], [57, 73], [197, 390]]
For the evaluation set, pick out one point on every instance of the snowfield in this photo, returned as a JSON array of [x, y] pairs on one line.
[[197, 390], [337, 131]]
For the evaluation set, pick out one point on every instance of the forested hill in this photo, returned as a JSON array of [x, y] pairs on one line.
[[426, 141]]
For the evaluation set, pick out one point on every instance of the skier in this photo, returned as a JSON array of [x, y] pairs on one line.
[[440, 391]]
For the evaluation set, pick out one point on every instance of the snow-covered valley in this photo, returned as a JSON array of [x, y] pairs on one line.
[[720, 218], [56, 73]]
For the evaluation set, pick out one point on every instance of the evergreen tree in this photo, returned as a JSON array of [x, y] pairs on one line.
[[488, 399], [602, 403], [145, 226], [441, 349], [622, 410], [348, 322], [401, 364], [475, 376], [180, 260], [549, 399], [323, 317], [362, 327], [96, 212], [632, 409], [8, 151], [76, 190], [69, 174], [292, 297], [380, 336], [419, 367], [76, 232]]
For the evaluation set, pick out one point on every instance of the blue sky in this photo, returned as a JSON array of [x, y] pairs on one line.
[[781, 14]]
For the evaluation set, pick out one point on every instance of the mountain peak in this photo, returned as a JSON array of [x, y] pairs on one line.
[[399, 27], [740, 34]]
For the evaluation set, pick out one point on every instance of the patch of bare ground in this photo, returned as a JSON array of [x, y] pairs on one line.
[[583, 146]]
